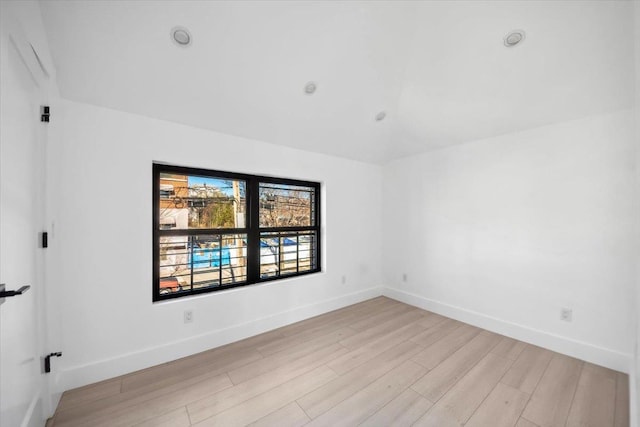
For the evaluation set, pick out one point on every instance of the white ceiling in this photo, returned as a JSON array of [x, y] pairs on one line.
[[439, 69]]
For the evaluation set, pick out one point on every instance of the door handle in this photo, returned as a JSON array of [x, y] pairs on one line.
[[6, 294]]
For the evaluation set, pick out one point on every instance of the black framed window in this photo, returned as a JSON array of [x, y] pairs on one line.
[[216, 230]]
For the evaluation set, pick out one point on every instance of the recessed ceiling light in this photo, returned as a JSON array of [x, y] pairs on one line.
[[380, 116], [513, 38], [310, 88], [181, 36]]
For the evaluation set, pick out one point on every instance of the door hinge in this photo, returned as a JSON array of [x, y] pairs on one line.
[[45, 239], [45, 113], [47, 361]]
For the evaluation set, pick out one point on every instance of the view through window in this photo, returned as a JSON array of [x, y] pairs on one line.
[[215, 230]]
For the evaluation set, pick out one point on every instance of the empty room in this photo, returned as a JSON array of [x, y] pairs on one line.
[[319, 213]]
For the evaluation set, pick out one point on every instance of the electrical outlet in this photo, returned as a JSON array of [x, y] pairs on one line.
[[188, 316], [566, 314], [404, 277], [344, 279]]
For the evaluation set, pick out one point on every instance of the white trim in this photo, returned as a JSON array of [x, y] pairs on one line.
[[582, 350], [109, 368], [633, 396], [33, 417]]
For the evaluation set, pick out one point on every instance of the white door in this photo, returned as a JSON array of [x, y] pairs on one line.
[[22, 384]]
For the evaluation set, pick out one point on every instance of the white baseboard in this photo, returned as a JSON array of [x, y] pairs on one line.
[[79, 376], [34, 415], [633, 396], [581, 350]]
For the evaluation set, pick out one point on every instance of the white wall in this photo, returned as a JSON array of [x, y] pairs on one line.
[[503, 232], [101, 241], [635, 380]]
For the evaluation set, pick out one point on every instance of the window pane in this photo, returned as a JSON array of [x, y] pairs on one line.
[[269, 256], [195, 202], [307, 251], [175, 272], [284, 205], [283, 253], [204, 261]]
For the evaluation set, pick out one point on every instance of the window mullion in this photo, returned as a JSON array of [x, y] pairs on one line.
[[190, 243], [220, 260], [253, 239], [280, 245], [297, 253]]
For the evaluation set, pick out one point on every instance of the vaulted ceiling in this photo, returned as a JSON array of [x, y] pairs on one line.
[[439, 69]]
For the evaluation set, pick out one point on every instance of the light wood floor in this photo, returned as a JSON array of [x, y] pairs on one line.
[[377, 363]]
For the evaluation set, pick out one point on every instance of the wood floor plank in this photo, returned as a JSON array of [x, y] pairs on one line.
[[435, 354], [360, 310], [436, 383], [90, 393], [375, 305], [164, 382], [404, 410], [594, 402], [287, 342], [128, 415], [436, 332], [216, 403], [259, 406], [84, 414], [459, 403], [281, 358], [326, 397], [290, 415], [501, 408], [522, 422], [249, 343], [364, 353], [528, 369], [338, 320], [622, 400], [175, 418], [432, 319], [365, 336], [381, 317], [551, 401], [360, 406], [509, 348], [181, 369]]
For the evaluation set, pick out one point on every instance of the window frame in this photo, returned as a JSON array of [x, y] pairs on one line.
[[252, 229]]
